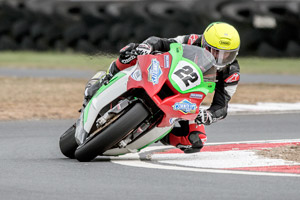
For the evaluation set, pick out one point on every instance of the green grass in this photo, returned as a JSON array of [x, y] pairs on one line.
[[55, 60], [257, 65], [69, 60]]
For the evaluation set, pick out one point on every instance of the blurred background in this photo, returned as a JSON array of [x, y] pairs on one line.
[[51, 48], [268, 28]]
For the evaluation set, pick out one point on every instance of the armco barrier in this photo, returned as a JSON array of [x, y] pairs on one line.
[[267, 28]]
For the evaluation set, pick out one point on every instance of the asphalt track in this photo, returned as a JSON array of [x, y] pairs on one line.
[[32, 167]]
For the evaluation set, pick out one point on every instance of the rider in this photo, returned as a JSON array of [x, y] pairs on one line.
[[223, 41]]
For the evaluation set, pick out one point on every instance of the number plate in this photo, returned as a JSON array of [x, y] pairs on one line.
[[186, 75]]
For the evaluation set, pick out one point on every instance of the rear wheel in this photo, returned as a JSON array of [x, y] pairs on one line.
[[112, 134], [67, 142]]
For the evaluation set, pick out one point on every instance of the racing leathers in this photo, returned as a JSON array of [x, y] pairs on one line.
[[187, 135]]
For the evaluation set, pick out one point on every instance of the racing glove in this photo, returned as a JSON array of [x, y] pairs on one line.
[[144, 49], [204, 117], [132, 50], [126, 55]]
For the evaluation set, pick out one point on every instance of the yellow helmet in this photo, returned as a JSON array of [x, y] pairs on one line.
[[223, 41]]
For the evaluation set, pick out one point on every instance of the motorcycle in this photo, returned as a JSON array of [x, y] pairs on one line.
[[141, 104]]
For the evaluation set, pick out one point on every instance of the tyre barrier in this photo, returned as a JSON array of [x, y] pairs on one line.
[[267, 28]]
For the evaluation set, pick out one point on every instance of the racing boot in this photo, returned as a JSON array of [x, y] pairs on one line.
[[193, 142], [97, 81]]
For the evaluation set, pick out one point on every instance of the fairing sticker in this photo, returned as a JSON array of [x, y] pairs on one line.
[[196, 96], [137, 75], [166, 61], [154, 72], [185, 106]]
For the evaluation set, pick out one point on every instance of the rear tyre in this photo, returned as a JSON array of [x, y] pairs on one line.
[[67, 142], [112, 134]]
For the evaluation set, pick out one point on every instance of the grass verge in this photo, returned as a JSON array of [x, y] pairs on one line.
[[256, 65], [55, 60], [70, 60]]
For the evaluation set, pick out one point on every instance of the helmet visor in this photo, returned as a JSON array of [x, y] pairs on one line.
[[223, 57]]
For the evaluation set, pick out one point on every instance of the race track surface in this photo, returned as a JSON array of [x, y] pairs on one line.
[[32, 167]]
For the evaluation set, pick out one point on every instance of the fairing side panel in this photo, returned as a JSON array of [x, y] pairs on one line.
[[104, 97], [140, 143]]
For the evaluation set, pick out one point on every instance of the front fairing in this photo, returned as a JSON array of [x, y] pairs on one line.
[[151, 73], [173, 82], [192, 69]]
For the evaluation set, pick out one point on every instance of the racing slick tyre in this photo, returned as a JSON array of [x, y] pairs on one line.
[[67, 142], [112, 134]]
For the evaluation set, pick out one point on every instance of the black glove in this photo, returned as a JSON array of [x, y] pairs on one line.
[[144, 49], [204, 117], [126, 55], [132, 50]]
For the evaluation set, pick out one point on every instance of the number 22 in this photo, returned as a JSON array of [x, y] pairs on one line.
[[187, 74]]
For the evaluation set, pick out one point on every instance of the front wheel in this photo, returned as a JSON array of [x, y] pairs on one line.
[[112, 134], [67, 142]]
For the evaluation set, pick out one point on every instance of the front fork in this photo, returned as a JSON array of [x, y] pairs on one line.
[[81, 135]]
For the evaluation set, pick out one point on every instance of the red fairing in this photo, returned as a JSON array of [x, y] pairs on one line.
[[155, 70]]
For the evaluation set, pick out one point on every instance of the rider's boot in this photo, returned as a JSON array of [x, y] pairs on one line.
[[97, 81], [193, 142]]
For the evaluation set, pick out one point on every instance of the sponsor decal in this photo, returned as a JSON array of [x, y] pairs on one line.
[[233, 78], [193, 38], [196, 96], [154, 72], [185, 106], [166, 61], [128, 60], [137, 75], [172, 120], [224, 42]]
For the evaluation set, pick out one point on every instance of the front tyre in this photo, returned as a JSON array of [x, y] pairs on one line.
[[67, 142], [112, 134]]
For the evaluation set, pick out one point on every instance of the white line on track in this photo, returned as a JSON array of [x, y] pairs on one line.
[[255, 142], [134, 161], [138, 163]]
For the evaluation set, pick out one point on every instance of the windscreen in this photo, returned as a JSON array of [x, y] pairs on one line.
[[203, 58]]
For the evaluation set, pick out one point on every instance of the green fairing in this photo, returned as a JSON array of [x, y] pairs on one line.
[[176, 51], [101, 89]]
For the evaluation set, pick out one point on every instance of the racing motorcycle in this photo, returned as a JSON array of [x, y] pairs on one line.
[[141, 104]]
